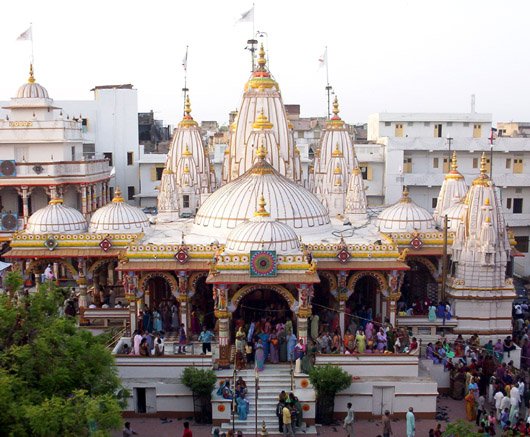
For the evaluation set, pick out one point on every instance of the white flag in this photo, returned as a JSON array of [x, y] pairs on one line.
[[27, 35], [185, 60], [112, 172], [247, 16], [323, 60]]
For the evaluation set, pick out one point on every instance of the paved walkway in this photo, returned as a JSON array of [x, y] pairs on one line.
[[363, 428]]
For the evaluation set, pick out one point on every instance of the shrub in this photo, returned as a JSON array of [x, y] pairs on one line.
[[328, 380]]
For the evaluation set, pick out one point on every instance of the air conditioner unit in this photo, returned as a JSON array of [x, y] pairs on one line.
[[8, 168], [8, 221]]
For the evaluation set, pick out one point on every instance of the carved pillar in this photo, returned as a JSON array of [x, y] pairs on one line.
[[183, 299], [220, 296], [82, 286], [89, 199], [83, 200], [342, 295], [305, 293], [395, 280], [94, 198], [25, 193]]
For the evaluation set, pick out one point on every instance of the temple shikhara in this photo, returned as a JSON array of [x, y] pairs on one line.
[[265, 237]]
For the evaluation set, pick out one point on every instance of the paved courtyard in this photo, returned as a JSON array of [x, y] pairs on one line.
[[368, 428]]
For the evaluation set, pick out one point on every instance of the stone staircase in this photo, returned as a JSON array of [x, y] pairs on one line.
[[272, 380]]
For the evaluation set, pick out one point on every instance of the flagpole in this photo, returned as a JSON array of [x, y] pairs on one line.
[[32, 57], [185, 89], [328, 86]]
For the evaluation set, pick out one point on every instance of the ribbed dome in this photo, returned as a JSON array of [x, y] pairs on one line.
[[262, 233], [32, 89], [117, 217], [56, 218], [405, 216], [236, 202], [454, 214]]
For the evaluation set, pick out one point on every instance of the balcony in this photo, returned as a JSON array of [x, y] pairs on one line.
[[40, 131]]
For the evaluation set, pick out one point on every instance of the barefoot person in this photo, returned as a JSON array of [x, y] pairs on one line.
[[348, 421]]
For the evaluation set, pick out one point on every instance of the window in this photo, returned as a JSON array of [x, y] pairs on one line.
[[159, 171], [398, 130], [185, 201], [84, 125], [518, 165], [509, 203], [108, 155], [130, 193], [407, 165], [89, 150], [130, 158], [156, 172], [475, 162], [435, 163], [426, 123], [477, 131], [517, 206], [446, 165], [387, 123], [434, 202], [73, 153], [522, 244], [508, 163], [437, 131]]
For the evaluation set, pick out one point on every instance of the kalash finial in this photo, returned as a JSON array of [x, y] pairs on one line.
[[117, 196], [483, 168], [336, 109], [187, 106], [56, 201], [337, 153], [261, 152], [31, 78], [186, 151], [454, 165], [261, 211], [262, 122], [405, 197], [261, 58]]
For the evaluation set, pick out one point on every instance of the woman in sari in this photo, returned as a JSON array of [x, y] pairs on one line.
[[264, 337], [369, 331], [432, 313], [242, 407], [274, 346], [470, 406], [381, 340], [349, 342], [360, 338], [157, 321], [259, 356]]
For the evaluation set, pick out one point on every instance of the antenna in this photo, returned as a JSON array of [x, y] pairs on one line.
[[472, 103]]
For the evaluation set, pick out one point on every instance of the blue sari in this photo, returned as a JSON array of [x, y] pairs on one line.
[[259, 357], [242, 408], [266, 345]]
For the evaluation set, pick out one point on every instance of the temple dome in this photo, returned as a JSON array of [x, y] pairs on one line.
[[32, 89], [118, 217], [454, 215], [235, 202], [56, 218], [405, 216], [262, 232]]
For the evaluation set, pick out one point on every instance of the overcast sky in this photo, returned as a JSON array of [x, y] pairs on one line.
[[384, 55]]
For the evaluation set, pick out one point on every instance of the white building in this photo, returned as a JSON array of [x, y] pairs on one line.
[[151, 167], [417, 150], [109, 130]]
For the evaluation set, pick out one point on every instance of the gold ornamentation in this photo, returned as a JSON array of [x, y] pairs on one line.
[[117, 196], [262, 122], [261, 211], [403, 255], [31, 78]]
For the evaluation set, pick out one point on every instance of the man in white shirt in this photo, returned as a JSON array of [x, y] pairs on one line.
[[498, 399], [348, 421], [505, 404], [514, 402]]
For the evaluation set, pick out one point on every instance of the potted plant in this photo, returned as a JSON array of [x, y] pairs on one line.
[[201, 382], [328, 380]]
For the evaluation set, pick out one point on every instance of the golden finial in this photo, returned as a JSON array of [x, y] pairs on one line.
[[186, 151], [56, 201], [336, 107], [117, 196], [488, 219], [187, 106], [337, 153], [261, 211], [261, 59], [454, 165], [186, 169], [405, 197], [337, 170], [261, 152], [31, 79], [483, 168], [487, 202], [262, 122], [167, 171]]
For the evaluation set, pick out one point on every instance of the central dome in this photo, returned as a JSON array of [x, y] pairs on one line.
[[236, 202], [31, 89]]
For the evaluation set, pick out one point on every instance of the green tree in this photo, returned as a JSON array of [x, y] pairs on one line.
[[201, 382], [328, 380], [461, 428], [55, 379], [13, 282]]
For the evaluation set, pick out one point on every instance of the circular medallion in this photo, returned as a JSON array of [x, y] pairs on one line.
[[263, 263]]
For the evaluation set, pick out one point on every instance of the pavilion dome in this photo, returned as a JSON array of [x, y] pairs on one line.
[[118, 217], [262, 233], [32, 89], [56, 218], [235, 202], [454, 215], [405, 216]]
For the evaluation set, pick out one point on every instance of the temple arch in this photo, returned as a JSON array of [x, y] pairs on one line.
[[247, 289]]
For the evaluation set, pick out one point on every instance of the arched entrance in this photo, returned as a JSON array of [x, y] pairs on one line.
[[324, 303], [158, 288], [365, 300], [419, 287], [201, 303]]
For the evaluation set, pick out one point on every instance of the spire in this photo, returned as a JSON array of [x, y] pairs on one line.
[[405, 196], [31, 79], [335, 122], [262, 122], [454, 165], [261, 211], [117, 196], [336, 109], [483, 178], [261, 59]]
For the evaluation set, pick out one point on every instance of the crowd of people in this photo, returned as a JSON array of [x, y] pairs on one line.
[[289, 413]]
